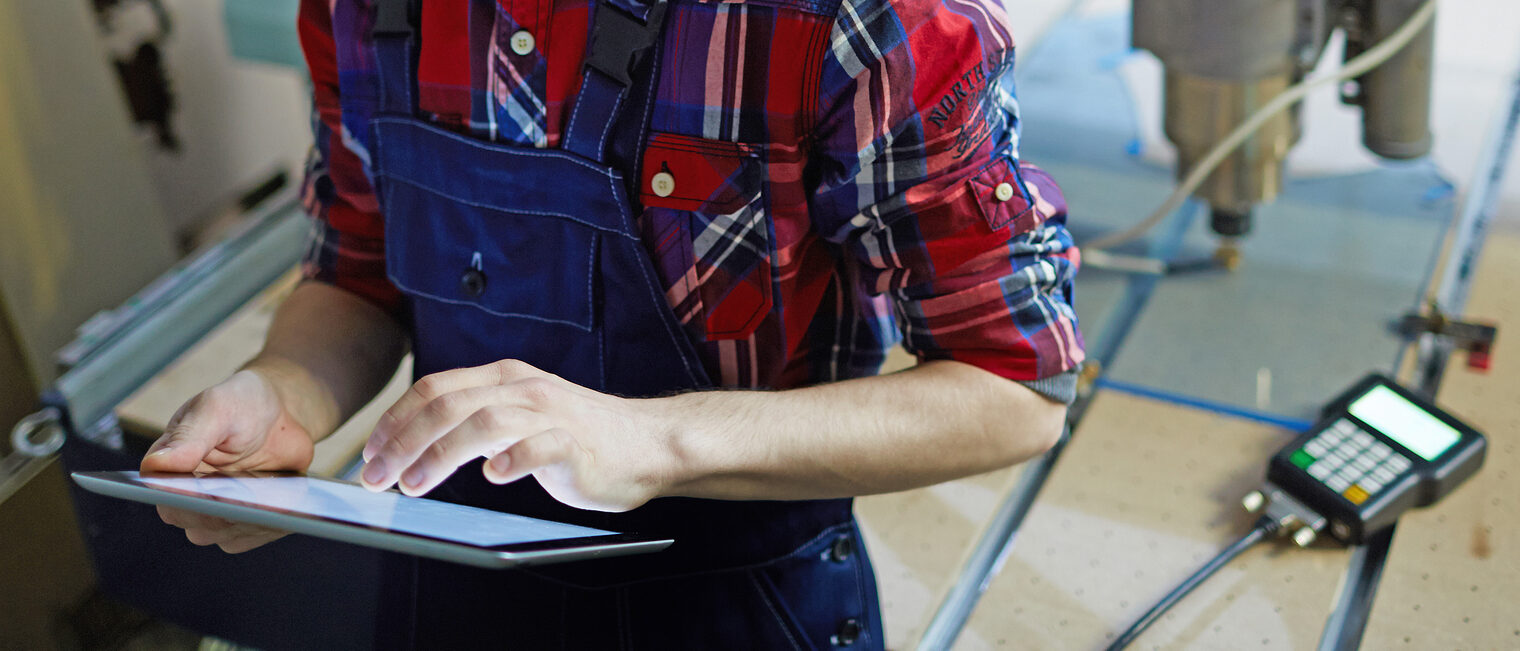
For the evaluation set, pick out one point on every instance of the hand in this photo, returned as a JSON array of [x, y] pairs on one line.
[[238, 425], [589, 450]]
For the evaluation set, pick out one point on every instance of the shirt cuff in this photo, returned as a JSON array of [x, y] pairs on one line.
[[1061, 388]]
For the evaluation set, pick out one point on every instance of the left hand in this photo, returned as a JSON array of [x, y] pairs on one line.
[[588, 449]]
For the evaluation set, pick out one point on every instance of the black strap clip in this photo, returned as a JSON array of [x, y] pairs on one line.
[[618, 39], [393, 18]]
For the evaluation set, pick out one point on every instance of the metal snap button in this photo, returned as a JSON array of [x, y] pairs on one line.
[[1003, 192], [522, 42], [842, 549], [473, 283], [848, 633], [662, 184]]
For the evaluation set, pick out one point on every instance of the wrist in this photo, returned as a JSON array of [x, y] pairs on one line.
[[301, 398], [697, 441]]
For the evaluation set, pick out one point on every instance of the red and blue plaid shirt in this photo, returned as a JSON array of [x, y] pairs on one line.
[[845, 174]]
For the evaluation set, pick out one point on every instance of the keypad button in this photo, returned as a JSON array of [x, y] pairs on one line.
[[1398, 463], [1378, 452], [1315, 447], [1337, 483], [1320, 470], [1363, 463], [1383, 475], [1362, 438], [1371, 485], [1345, 426]]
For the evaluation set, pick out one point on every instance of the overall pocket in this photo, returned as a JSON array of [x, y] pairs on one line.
[[705, 216]]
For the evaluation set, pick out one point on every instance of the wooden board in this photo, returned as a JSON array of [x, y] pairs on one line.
[[220, 354], [1147, 491]]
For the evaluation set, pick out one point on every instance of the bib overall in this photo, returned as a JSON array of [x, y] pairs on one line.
[[506, 252]]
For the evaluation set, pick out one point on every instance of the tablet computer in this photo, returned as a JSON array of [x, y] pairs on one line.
[[348, 512]]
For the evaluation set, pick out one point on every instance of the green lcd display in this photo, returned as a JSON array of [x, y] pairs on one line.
[[1405, 422]]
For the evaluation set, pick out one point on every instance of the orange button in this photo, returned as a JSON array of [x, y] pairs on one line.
[[1356, 494]]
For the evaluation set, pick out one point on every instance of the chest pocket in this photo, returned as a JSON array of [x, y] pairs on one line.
[[467, 237], [705, 218]]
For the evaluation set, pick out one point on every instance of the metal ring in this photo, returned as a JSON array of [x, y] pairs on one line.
[[47, 422]]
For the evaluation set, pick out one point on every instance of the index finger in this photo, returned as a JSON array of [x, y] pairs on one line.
[[431, 387]]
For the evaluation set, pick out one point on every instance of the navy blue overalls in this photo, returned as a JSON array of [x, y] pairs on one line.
[[517, 253]]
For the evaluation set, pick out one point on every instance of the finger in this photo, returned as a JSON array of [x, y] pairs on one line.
[[192, 520], [486, 432], [440, 416], [184, 445], [250, 537], [535, 452], [432, 387]]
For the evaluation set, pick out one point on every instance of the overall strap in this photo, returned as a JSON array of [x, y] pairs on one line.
[[393, 33], [620, 36]]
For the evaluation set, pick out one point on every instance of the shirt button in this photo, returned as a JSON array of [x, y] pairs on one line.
[[522, 42], [1003, 192], [662, 184], [848, 633], [842, 549], [473, 283]]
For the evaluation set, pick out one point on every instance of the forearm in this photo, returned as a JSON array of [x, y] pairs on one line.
[[328, 353], [932, 423]]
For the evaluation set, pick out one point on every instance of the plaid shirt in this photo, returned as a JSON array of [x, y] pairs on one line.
[[845, 175]]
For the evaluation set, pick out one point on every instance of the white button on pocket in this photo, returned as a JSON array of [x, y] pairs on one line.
[[522, 42], [662, 184], [1003, 192]]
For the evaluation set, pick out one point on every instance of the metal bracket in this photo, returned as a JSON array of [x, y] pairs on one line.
[[40, 434], [1476, 338]]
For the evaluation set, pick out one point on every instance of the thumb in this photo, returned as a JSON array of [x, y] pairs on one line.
[[183, 446]]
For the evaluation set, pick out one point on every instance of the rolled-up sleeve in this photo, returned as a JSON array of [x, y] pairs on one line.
[[920, 182], [347, 244]]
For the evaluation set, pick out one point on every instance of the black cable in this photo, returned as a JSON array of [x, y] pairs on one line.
[[1257, 534]]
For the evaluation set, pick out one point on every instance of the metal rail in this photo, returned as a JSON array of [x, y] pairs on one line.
[[1348, 621], [121, 350], [996, 541]]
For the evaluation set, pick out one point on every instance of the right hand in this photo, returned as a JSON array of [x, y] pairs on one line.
[[239, 425]]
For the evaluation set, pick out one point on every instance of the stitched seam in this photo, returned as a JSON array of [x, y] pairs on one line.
[[769, 605], [601, 144], [575, 114], [519, 151], [518, 315], [430, 190], [601, 337], [666, 316], [860, 582]]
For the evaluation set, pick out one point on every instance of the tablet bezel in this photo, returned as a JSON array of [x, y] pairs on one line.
[[125, 484]]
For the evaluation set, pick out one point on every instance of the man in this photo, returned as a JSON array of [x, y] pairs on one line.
[[579, 215]]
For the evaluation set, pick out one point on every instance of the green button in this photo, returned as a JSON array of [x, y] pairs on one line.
[[1301, 459]]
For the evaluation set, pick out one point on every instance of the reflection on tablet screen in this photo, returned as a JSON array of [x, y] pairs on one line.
[[388, 510]]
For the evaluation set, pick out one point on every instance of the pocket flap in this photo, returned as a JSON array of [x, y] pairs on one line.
[[1001, 196], [697, 174]]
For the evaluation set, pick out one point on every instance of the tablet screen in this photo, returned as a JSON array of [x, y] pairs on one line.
[[388, 510]]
